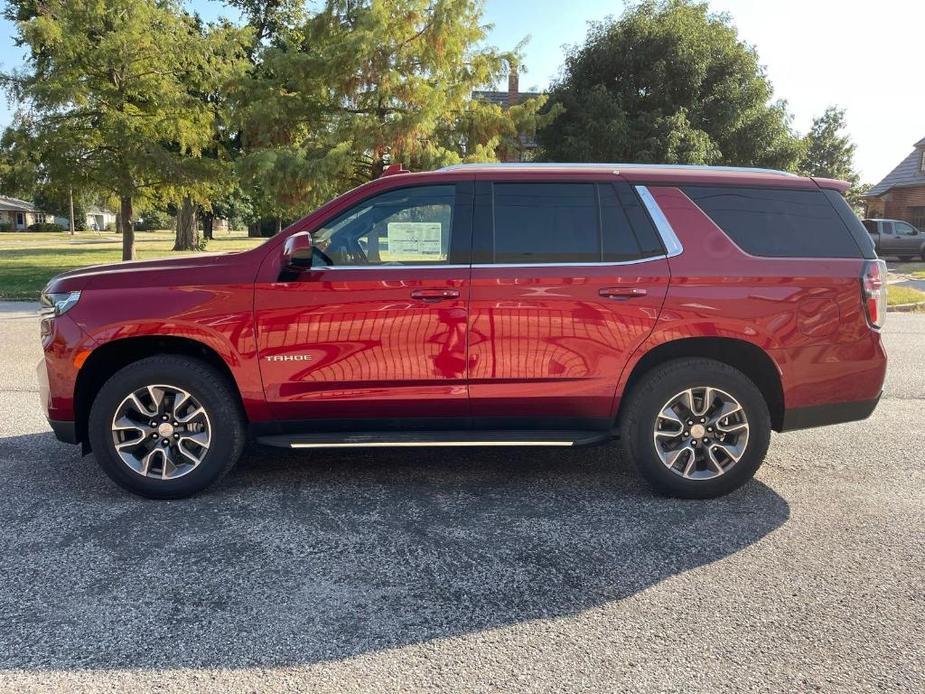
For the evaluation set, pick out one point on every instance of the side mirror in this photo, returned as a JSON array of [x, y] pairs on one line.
[[297, 253]]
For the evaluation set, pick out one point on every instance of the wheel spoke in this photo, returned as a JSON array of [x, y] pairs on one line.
[[734, 452], [157, 395], [178, 403], [731, 428], [191, 415], [673, 456], [140, 408], [711, 454]]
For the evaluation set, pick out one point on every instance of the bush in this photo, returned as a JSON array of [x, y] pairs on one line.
[[45, 226], [110, 227], [6, 226], [153, 221]]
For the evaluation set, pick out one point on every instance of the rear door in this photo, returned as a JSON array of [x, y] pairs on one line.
[[375, 330], [563, 290], [887, 238]]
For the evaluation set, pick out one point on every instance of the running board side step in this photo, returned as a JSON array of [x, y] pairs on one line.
[[388, 439]]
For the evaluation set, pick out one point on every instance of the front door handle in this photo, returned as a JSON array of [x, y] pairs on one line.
[[621, 293], [434, 295]]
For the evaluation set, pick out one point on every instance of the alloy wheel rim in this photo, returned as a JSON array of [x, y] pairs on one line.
[[701, 433], [161, 432]]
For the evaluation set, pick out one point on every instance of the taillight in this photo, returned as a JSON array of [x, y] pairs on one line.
[[873, 291]]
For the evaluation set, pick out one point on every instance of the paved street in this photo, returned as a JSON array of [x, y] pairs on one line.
[[472, 570]]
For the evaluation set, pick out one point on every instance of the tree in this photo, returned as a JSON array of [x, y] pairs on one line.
[[829, 153], [109, 84], [671, 82], [360, 84]]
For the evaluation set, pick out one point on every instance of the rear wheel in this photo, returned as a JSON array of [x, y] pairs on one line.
[[166, 427], [695, 428]]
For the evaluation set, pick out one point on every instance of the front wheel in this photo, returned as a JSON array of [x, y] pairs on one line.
[[166, 427], [695, 428]]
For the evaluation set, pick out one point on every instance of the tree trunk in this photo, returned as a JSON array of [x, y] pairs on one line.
[[128, 228], [279, 224], [70, 199], [187, 228], [208, 222]]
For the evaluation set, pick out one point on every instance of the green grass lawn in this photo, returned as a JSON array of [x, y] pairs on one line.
[[29, 259], [913, 269], [903, 295]]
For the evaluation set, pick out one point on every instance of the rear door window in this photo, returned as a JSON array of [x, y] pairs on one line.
[[546, 223], [777, 222]]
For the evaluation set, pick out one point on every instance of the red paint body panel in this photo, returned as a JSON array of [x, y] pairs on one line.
[[805, 313], [517, 341], [363, 347], [542, 340]]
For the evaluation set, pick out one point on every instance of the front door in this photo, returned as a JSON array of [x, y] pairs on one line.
[[908, 240], [376, 329], [568, 279]]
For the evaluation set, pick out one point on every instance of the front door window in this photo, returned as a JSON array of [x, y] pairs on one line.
[[409, 226]]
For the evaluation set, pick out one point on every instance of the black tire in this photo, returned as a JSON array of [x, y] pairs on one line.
[[655, 389], [207, 385]]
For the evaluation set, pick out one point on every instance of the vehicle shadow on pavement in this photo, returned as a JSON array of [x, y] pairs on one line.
[[296, 559]]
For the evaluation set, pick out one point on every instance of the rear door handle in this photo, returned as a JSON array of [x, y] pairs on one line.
[[434, 295], [621, 293]]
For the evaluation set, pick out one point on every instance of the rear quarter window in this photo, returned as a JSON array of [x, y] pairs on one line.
[[777, 222]]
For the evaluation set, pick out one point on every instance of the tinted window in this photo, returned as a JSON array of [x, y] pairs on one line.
[[886, 227], [409, 226], [870, 226], [780, 223], [649, 241], [618, 238], [546, 223]]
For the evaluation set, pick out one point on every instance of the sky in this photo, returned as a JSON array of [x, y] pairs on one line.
[[865, 57]]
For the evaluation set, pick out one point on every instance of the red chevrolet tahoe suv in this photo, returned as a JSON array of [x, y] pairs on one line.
[[686, 311]]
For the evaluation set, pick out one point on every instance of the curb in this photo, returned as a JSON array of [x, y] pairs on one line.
[[906, 308]]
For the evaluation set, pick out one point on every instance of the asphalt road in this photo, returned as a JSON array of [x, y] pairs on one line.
[[472, 570]]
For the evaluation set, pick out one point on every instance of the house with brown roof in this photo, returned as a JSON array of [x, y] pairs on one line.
[[901, 195], [17, 215]]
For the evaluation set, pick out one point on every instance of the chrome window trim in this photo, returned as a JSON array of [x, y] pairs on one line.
[[388, 267], [672, 243], [605, 263], [617, 263]]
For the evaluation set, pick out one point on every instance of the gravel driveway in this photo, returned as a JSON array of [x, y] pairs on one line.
[[468, 570]]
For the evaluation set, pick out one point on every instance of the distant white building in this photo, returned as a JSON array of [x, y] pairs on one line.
[[99, 218]]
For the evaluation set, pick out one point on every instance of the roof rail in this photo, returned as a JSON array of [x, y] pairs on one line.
[[615, 167]]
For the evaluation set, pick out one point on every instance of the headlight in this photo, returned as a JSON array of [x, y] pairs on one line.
[[58, 303]]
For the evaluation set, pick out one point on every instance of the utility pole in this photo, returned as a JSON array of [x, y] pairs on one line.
[[70, 196]]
